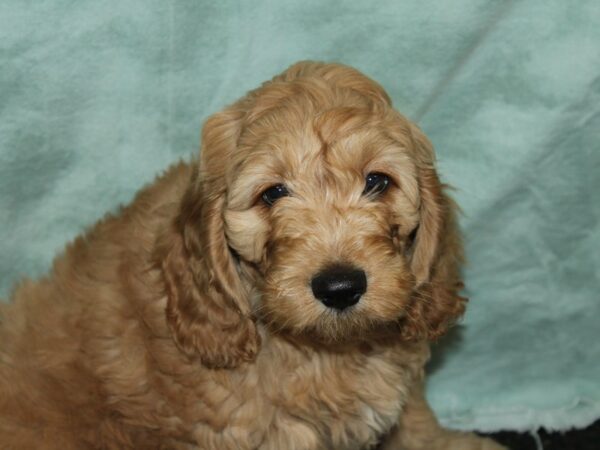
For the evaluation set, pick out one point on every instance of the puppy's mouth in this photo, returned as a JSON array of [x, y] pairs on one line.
[[339, 302], [349, 327]]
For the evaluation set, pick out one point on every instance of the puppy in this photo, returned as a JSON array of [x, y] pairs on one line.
[[279, 294]]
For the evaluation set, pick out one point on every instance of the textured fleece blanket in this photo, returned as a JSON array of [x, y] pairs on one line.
[[98, 97]]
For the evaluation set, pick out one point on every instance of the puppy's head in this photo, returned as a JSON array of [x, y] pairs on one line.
[[318, 212]]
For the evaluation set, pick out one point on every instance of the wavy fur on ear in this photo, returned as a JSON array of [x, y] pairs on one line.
[[207, 310], [437, 253]]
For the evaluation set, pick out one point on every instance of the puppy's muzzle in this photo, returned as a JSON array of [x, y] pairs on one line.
[[339, 287]]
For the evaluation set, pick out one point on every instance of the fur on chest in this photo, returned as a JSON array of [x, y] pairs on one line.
[[295, 398]]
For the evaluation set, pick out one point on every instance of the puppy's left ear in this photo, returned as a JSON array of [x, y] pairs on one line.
[[436, 252], [208, 310]]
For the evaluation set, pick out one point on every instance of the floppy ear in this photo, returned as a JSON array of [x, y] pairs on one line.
[[208, 310], [436, 252]]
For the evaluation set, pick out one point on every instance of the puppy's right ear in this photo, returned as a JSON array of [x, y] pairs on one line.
[[207, 310], [437, 251]]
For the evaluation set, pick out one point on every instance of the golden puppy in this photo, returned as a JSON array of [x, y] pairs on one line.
[[278, 295]]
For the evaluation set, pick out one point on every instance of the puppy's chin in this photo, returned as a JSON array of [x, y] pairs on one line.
[[334, 332], [330, 327]]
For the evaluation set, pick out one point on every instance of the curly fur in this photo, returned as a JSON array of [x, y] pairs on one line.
[[186, 321]]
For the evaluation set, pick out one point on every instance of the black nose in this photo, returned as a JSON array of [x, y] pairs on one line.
[[339, 287]]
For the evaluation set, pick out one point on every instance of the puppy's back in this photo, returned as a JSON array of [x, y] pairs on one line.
[[56, 332]]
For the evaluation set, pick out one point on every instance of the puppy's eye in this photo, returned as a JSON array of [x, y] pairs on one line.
[[410, 239], [274, 193], [376, 183]]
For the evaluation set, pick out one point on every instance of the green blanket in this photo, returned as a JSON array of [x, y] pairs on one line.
[[98, 97]]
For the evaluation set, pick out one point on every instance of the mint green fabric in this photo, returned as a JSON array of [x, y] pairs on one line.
[[98, 97]]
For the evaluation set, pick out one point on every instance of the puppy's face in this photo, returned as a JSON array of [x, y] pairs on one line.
[[315, 209], [322, 206]]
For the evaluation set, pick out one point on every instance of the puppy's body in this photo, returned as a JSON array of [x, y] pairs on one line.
[[141, 337], [95, 351]]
